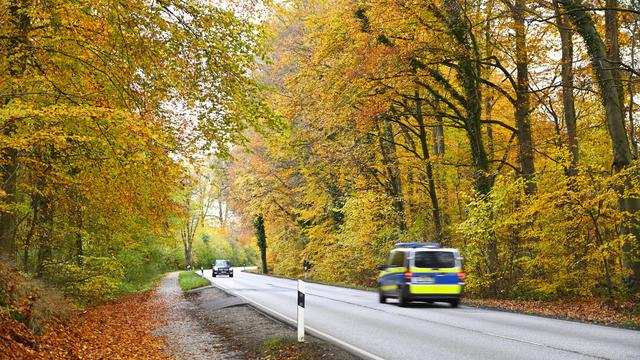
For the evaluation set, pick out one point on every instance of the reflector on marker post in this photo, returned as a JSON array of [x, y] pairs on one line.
[[301, 292]]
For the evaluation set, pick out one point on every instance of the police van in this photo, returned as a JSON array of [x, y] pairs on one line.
[[422, 272]]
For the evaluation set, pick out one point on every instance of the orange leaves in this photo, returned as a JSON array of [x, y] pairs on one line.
[[593, 310], [36, 323], [120, 330], [16, 339]]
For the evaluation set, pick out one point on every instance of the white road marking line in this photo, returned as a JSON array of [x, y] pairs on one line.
[[351, 348], [368, 355]]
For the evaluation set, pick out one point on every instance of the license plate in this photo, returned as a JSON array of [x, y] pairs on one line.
[[424, 279]]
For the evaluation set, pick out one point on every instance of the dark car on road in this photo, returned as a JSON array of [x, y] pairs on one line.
[[222, 267]]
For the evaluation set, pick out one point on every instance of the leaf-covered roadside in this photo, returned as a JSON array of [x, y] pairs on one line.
[[119, 330], [290, 349], [615, 313]]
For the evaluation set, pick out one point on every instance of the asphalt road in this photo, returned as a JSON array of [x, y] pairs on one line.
[[355, 320]]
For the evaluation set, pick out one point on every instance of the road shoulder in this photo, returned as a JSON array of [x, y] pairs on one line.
[[209, 323]]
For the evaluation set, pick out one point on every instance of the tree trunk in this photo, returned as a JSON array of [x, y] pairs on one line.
[[187, 255], [390, 162], [428, 168], [632, 129], [187, 233], [29, 236], [523, 106], [410, 174], [261, 237], [585, 26], [79, 225], [467, 57], [46, 235], [8, 221], [187, 259], [45, 208], [221, 214], [488, 51], [437, 133], [622, 158], [20, 23], [189, 252], [568, 102], [612, 46], [487, 109]]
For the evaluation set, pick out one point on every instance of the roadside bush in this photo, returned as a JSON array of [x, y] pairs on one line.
[[93, 281], [363, 239], [564, 243], [142, 267]]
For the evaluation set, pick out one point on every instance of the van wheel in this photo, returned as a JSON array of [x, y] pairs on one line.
[[381, 297], [214, 274], [402, 300], [454, 303], [230, 275]]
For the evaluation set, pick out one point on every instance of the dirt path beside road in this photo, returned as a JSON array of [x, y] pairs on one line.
[[187, 336], [208, 323]]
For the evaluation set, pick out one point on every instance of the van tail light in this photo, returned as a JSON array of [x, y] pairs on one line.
[[407, 276], [461, 276]]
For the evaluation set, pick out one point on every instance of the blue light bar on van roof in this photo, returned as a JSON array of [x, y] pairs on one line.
[[418, 244]]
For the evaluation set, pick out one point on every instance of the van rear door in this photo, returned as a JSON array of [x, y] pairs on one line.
[[435, 272]]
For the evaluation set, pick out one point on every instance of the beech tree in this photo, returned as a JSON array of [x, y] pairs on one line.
[[101, 103], [605, 65], [371, 93]]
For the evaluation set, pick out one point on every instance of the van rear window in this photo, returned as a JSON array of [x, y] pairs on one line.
[[434, 259]]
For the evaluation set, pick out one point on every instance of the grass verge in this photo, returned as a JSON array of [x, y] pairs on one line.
[[190, 280]]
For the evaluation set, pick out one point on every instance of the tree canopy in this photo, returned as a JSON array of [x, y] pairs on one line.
[[101, 105], [141, 136], [505, 128]]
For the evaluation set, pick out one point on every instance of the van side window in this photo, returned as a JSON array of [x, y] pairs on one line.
[[396, 259], [390, 260]]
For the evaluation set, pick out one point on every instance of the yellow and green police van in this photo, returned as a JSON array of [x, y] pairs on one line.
[[419, 271]]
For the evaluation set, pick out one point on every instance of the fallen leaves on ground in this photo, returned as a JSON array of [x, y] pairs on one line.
[[119, 330], [297, 351], [16, 340], [618, 313]]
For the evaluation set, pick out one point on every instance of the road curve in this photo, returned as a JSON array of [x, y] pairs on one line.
[[355, 320]]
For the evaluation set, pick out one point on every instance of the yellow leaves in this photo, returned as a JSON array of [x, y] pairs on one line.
[[564, 240], [93, 281]]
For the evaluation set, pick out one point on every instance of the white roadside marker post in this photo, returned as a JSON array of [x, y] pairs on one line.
[[301, 292]]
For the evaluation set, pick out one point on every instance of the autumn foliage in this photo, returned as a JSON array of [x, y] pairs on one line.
[[37, 324], [504, 128], [102, 106], [456, 122]]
